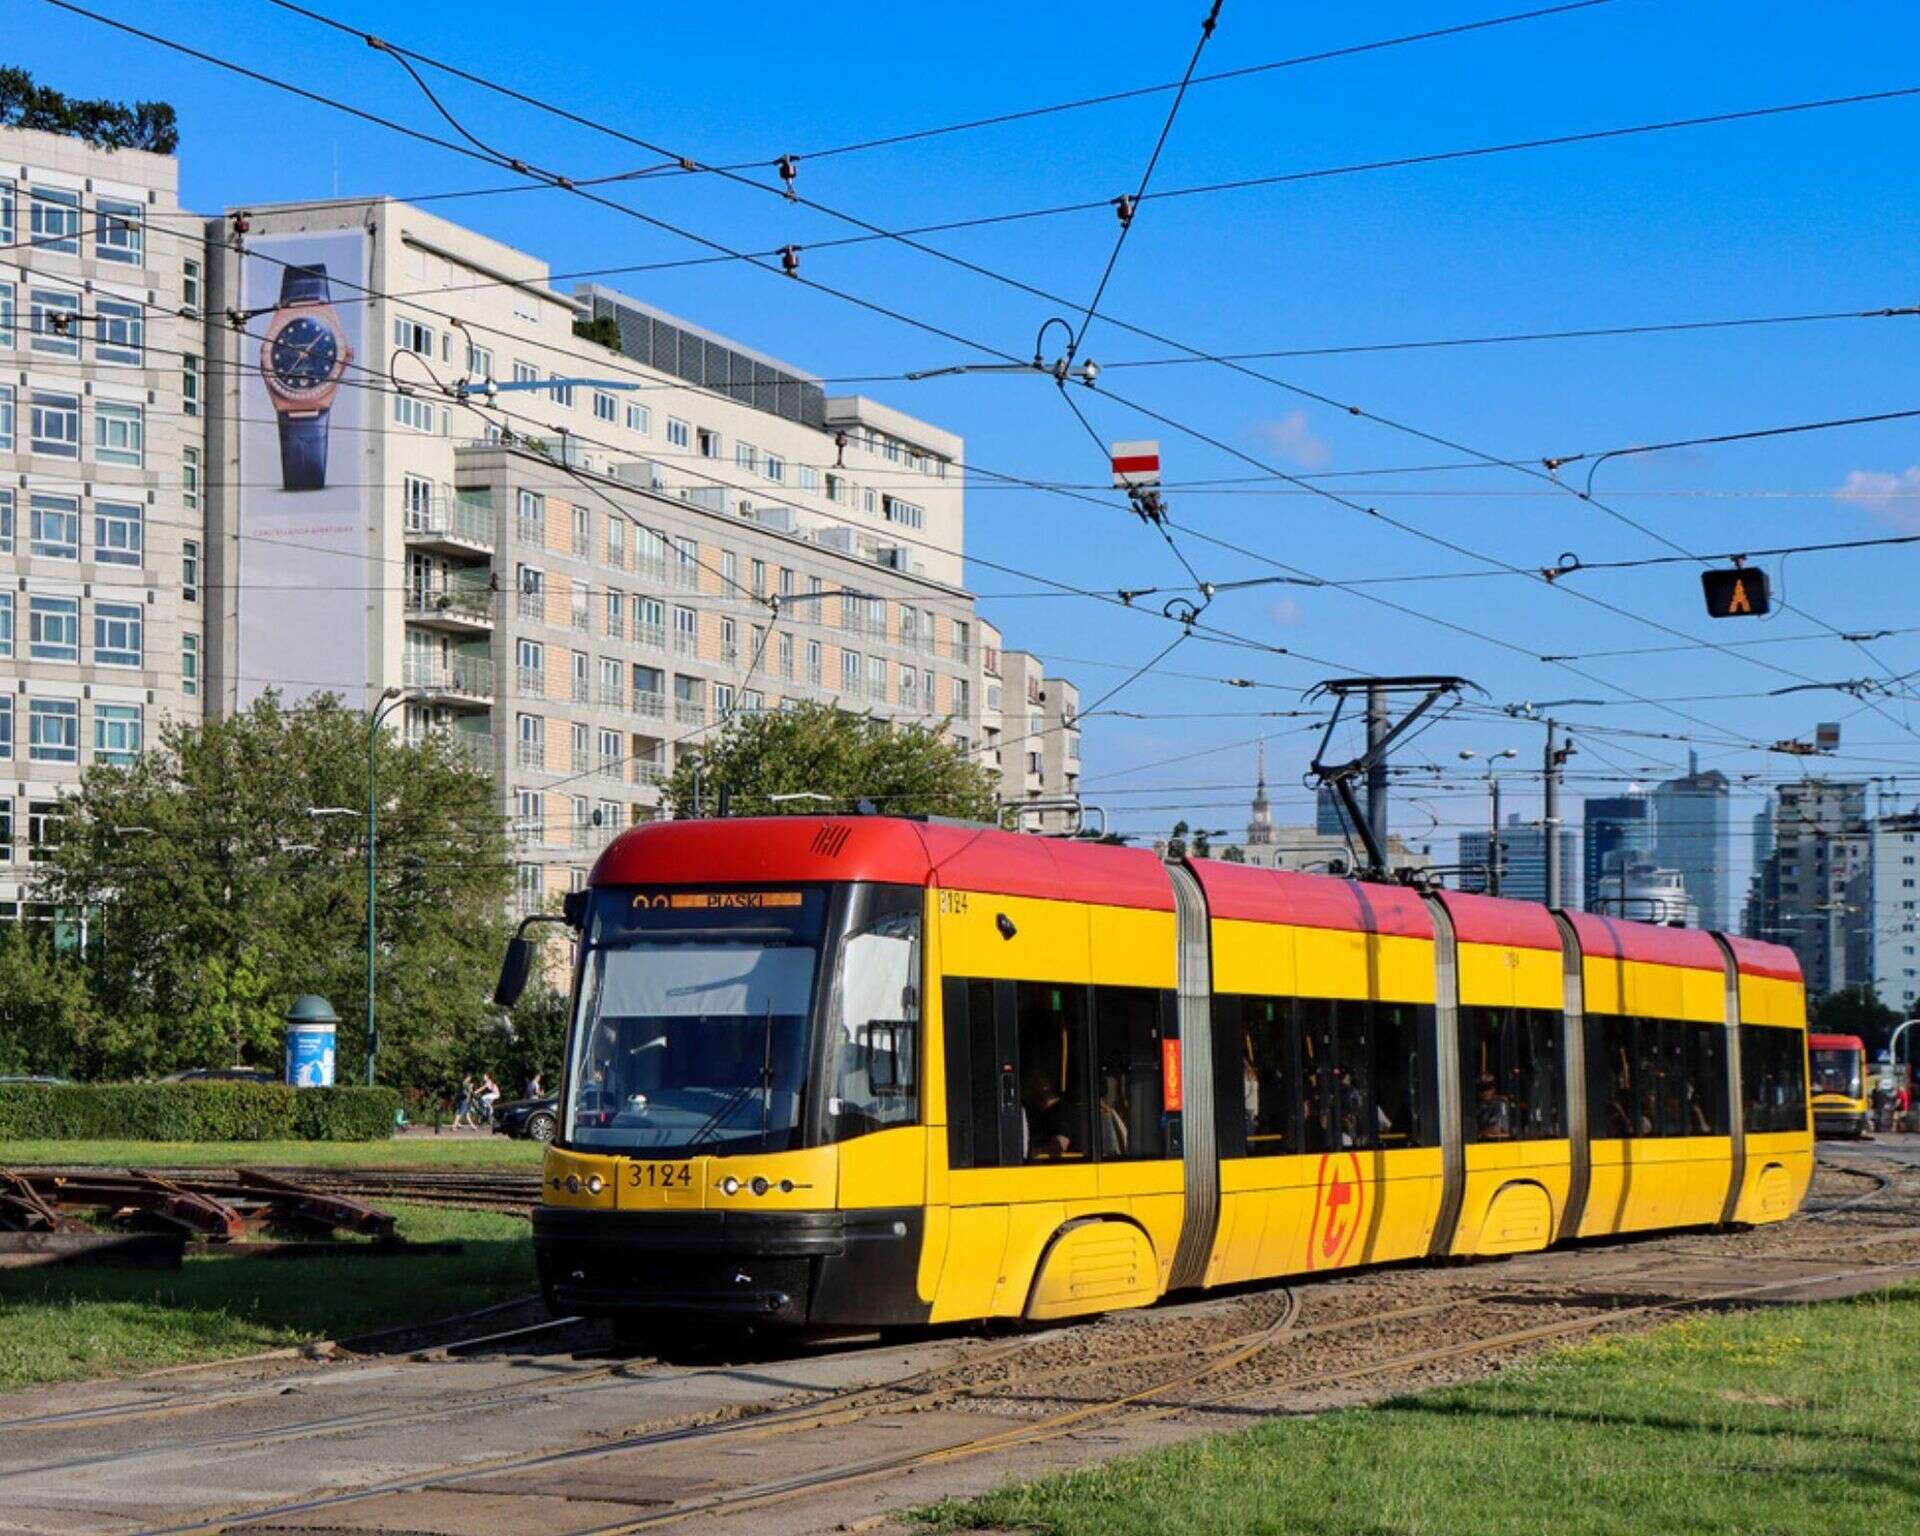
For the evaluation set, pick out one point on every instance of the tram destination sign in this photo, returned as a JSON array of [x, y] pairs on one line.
[[716, 901]]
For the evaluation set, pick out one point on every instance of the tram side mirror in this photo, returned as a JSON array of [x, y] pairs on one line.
[[888, 1045], [513, 973]]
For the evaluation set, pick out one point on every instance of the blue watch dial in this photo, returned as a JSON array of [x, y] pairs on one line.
[[304, 354]]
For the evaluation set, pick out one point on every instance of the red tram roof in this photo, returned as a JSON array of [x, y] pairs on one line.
[[762, 850], [1495, 920], [1754, 957], [1310, 901], [1614, 938], [1835, 1043]]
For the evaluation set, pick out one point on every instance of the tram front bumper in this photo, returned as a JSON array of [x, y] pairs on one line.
[[789, 1267]]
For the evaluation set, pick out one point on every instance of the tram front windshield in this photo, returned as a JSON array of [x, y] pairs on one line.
[[692, 1027], [1836, 1071]]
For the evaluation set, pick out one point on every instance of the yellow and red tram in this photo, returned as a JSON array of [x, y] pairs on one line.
[[872, 1071]]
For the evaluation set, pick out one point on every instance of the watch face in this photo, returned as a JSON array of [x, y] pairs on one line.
[[304, 354]]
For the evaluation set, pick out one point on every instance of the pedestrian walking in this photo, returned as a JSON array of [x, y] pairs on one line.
[[489, 1096], [536, 1089], [463, 1110]]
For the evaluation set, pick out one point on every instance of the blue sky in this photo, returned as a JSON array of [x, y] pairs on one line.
[[1804, 212]]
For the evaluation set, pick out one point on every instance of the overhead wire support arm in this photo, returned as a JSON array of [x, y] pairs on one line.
[[1340, 776]]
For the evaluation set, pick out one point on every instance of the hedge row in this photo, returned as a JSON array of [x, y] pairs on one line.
[[194, 1112]]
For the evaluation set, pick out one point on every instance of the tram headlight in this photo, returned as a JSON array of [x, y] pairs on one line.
[[573, 1183], [759, 1185], [729, 1185], [595, 1183]]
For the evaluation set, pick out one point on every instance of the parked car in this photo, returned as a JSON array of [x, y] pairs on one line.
[[12, 1078], [222, 1075], [534, 1119]]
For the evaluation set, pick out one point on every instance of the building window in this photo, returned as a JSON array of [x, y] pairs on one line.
[[776, 468], [6, 625], [190, 286], [745, 455], [729, 640], [6, 741], [190, 665], [6, 418], [117, 234], [582, 762], [6, 212], [119, 332], [190, 479], [850, 672], [813, 662], [877, 677], [53, 730], [117, 634], [56, 221], [722, 700], [759, 569], [54, 533], [6, 521], [686, 632], [54, 424], [117, 532], [6, 314], [190, 385], [709, 444], [905, 513], [412, 412], [807, 477], [54, 628], [686, 569], [679, 434], [616, 615], [53, 315], [617, 540], [190, 570], [604, 406], [412, 336], [562, 392], [116, 733], [119, 433], [639, 419]]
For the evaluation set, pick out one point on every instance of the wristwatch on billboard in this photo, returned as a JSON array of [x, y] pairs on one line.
[[302, 357]]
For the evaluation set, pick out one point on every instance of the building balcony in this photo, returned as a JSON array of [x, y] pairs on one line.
[[652, 706], [455, 680], [689, 712], [653, 635], [456, 525], [581, 619], [650, 568], [531, 754], [457, 610], [530, 682], [531, 606], [473, 748], [685, 644], [647, 770], [581, 692], [609, 695]]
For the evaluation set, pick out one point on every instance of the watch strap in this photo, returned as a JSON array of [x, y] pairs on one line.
[[303, 451], [305, 285]]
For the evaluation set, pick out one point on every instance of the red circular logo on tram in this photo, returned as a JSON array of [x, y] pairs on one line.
[[1339, 1207]]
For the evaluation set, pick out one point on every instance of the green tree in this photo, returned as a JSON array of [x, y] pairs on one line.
[[46, 1018], [215, 896], [817, 750], [148, 125], [601, 328]]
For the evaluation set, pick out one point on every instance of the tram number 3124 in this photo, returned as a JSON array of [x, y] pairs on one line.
[[660, 1175]]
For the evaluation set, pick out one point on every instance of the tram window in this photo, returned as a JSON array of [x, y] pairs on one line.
[[1130, 1024], [1052, 1024], [1510, 1074], [1398, 1030], [1773, 1066], [1706, 1107], [974, 1071], [873, 1057], [1357, 1118], [1611, 1112], [1267, 1081], [1319, 1113]]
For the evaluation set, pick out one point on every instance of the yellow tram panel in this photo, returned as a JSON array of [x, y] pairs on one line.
[[1048, 943], [1508, 976], [1653, 990], [1767, 1000], [1134, 947]]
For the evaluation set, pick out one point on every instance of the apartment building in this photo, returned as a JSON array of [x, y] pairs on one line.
[[580, 565], [1029, 729], [102, 501]]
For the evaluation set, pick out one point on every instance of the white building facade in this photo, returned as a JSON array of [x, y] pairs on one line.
[[102, 495]]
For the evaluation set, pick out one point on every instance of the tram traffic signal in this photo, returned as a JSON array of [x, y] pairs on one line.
[[1740, 593]]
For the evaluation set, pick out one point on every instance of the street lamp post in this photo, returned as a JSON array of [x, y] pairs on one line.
[[389, 700], [1467, 754]]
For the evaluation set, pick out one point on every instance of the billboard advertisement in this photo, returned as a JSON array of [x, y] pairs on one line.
[[305, 501]]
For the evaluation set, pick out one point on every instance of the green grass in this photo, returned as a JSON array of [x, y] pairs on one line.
[[426, 1151], [60, 1324], [1783, 1421]]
